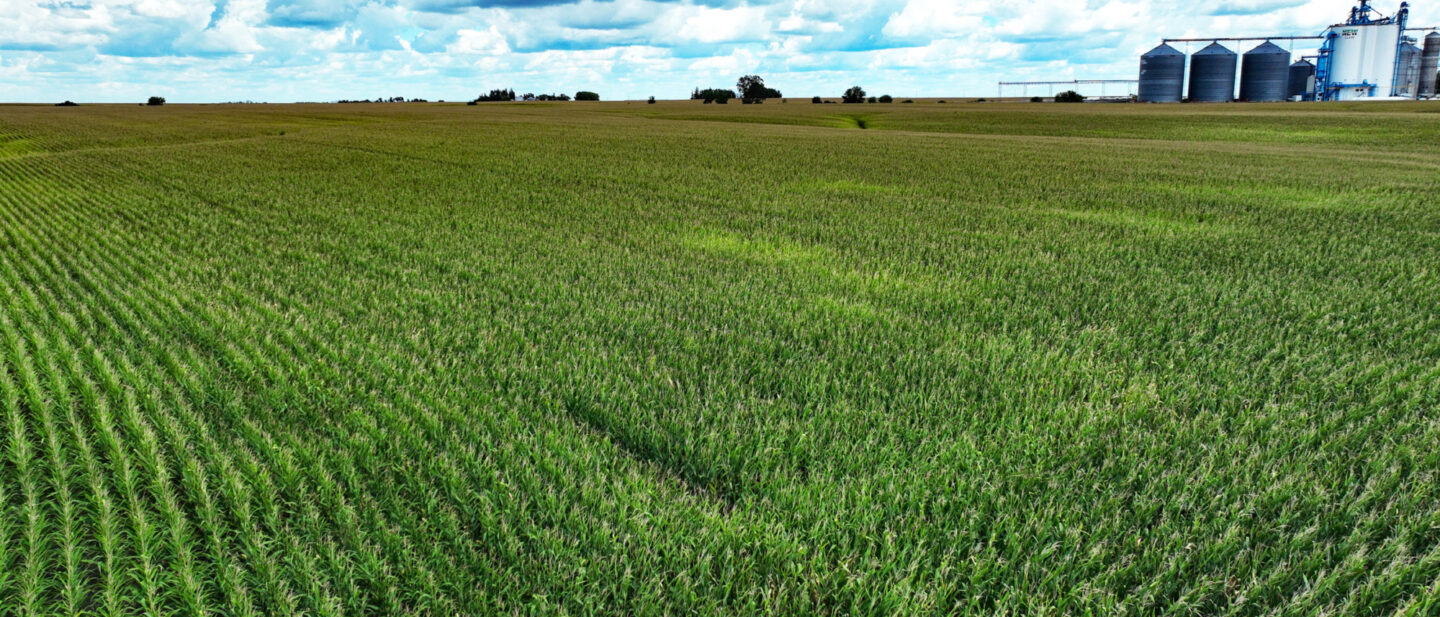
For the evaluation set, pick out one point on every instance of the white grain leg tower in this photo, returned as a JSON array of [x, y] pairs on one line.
[[1361, 58]]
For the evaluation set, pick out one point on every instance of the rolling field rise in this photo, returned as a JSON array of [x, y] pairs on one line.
[[686, 359]]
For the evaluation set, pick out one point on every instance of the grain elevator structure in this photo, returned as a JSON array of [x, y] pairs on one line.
[[1370, 56]]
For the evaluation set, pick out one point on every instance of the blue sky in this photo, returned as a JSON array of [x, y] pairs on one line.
[[318, 50]]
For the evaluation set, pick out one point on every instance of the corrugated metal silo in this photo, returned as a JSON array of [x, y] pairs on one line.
[[1409, 85], [1429, 64], [1265, 74], [1162, 75], [1212, 75], [1301, 74]]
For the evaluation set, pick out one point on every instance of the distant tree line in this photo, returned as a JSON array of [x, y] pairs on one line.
[[508, 94], [750, 89], [855, 95], [712, 95], [393, 99], [496, 96]]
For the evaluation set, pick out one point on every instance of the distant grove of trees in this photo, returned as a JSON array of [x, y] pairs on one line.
[[856, 94], [508, 94], [155, 101], [712, 95], [750, 89], [496, 95], [753, 90]]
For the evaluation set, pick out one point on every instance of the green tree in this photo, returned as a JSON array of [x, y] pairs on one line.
[[752, 89]]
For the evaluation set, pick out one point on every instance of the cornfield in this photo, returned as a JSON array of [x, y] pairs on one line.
[[626, 359]]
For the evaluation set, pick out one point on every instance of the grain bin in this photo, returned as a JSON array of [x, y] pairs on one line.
[[1409, 71], [1429, 64], [1265, 74], [1162, 75], [1302, 80], [1212, 75]]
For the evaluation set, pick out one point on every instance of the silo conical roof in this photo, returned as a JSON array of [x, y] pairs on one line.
[[1163, 49], [1215, 49], [1267, 48]]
